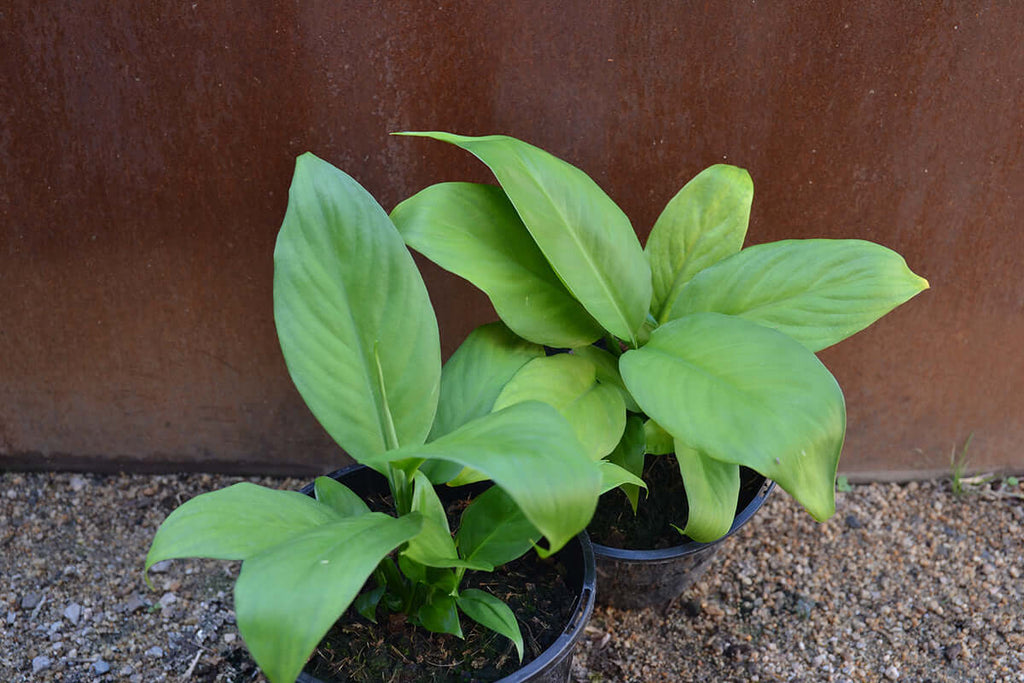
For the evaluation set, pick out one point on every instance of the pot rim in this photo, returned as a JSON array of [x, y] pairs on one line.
[[690, 547]]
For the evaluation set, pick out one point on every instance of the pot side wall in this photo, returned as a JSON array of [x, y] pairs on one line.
[[145, 155]]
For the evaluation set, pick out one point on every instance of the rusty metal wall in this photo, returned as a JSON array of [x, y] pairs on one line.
[[146, 150]]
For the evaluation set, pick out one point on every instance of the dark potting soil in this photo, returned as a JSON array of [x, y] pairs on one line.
[[396, 651], [651, 528]]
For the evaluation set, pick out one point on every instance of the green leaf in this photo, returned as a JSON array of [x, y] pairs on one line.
[[367, 601], [614, 476], [657, 440], [493, 529], [712, 489], [476, 373], [748, 395], [583, 234], [355, 323], [434, 546], [530, 451], [607, 367], [339, 497], [237, 522], [818, 292], [569, 383], [492, 613], [440, 615], [474, 231], [629, 455], [705, 222], [287, 597]]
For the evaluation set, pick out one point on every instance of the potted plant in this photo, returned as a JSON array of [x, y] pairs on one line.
[[691, 355], [360, 340]]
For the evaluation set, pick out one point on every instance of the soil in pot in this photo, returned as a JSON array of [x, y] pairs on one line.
[[651, 528], [394, 650]]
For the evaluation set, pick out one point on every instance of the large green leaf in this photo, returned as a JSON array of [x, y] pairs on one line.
[[744, 394], [494, 530], [235, 523], [712, 489], [530, 451], [817, 291], [355, 323], [705, 222], [583, 234], [474, 231], [476, 373], [287, 597], [569, 383]]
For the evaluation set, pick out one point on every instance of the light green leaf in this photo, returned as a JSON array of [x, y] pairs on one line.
[[569, 383], [705, 222], [475, 374], [434, 546], [613, 476], [607, 367], [474, 231], [355, 323], [657, 440], [818, 292], [287, 597], [339, 497], [712, 489], [530, 451], [237, 522], [494, 530], [629, 455], [492, 613], [583, 234], [748, 395]]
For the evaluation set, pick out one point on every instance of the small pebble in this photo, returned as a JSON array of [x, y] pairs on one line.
[[73, 613], [892, 673], [40, 663], [77, 484], [31, 600], [160, 567], [155, 651], [134, 604], [100, 667]]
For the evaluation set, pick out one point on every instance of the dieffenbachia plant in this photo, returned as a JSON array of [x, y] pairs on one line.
[[705, 349], [360, 340]]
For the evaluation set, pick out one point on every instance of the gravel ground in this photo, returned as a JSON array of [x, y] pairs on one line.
[[906, 582]]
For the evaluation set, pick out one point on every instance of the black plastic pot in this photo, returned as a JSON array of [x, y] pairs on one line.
[[634, 579], [554, 665]]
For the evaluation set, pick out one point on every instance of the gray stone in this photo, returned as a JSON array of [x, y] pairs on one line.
[[40, 663], [160, 567], [134, 604], [31, 600], [73, 613], [155, 651], [77, 484], [99, 667], [11, 617]]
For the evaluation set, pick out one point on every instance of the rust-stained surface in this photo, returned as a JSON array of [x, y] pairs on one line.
[[146, 151]]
